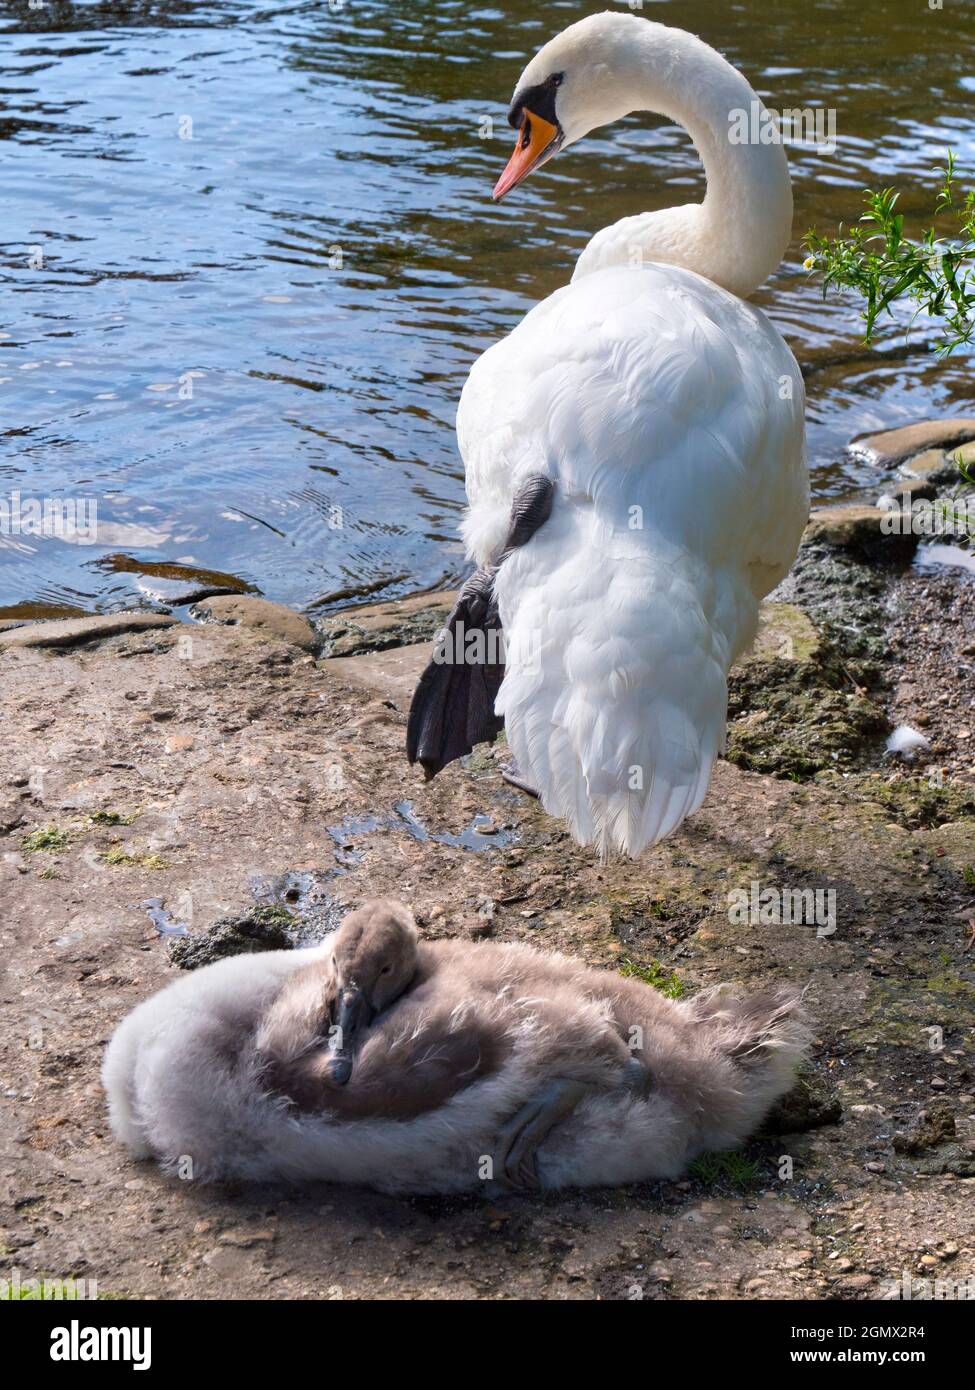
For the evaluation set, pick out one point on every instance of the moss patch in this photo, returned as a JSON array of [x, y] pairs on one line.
[[259, 929], [49, 837], [120, 858], [917, 803], [794, 720], [732, 1167], [653, 974], [110, 818]]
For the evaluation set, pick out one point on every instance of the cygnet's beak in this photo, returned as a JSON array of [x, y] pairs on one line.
[[537, 141], [352, 1013]]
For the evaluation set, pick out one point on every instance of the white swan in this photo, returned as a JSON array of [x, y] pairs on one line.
[[635, 460]]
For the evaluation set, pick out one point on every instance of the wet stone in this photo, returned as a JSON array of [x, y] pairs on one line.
[[933, 1125], [260, 929], [809, 1105]]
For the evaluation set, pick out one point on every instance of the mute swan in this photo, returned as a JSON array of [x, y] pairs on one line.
[[496, 1064], [635, 462]]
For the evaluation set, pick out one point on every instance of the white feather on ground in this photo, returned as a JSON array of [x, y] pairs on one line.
[[906, 741]]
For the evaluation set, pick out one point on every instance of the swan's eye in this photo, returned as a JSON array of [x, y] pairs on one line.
[[386, 970]]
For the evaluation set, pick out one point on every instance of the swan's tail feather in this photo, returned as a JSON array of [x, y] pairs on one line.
[[614, 698]]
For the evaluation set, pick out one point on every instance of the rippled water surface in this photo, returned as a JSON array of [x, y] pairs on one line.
[[249, 254]]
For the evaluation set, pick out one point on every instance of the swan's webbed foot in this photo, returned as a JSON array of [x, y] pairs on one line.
[[513, 777], [520, 1137], [453, 705]]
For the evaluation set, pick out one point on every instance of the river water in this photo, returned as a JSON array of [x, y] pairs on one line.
[[250, 252]]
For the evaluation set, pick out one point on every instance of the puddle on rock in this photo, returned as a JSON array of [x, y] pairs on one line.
[[162, 920], [933, 558], [305, 894], [482, 834]]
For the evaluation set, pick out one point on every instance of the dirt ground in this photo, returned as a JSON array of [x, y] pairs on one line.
[[202, 769]]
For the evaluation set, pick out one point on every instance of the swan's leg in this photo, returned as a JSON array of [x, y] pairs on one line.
[[520, 1138], [453, 707], [513, 777]]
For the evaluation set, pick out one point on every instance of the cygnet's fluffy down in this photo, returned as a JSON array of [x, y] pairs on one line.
[[189, 1082]]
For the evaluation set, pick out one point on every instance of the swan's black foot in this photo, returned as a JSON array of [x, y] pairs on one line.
[[453, 706], [519, 1139], [513, 777]]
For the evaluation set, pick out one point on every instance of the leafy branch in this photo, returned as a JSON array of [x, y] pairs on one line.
[[876, 259]]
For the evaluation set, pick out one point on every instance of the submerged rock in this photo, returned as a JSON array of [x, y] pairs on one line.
[[933, 466], [258, 929], [889, 447]]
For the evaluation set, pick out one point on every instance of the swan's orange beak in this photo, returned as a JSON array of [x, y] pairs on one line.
[[537, 141]]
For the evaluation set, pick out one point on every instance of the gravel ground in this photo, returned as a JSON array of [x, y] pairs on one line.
[[178, 775]]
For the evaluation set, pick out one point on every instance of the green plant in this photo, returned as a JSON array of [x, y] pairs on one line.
[[732, 1166], [49, 837], [110, 818], [654, 974], [880, 263]]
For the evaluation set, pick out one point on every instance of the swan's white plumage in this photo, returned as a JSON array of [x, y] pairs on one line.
[[669, 414]]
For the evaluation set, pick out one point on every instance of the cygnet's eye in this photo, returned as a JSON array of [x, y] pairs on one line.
[[386, 970]]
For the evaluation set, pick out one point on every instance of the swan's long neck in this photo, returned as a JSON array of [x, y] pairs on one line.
[[739, 234]]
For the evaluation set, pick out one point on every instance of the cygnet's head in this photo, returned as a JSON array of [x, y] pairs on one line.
[[374, 958]]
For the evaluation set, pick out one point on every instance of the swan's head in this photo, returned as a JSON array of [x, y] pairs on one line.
[[581, 79], [374, 958]]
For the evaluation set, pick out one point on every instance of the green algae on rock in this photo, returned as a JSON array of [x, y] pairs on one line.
[[796, 719], [915, 802], [377, 627], [257, 929]]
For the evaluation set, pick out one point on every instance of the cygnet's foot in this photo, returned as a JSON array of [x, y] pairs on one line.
[[513, 777], [519, 1139], [636, 1078]]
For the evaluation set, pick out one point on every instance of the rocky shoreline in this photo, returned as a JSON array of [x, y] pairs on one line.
[[170, 790]]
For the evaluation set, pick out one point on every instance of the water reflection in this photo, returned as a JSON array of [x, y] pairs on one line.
[[251, 253]]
